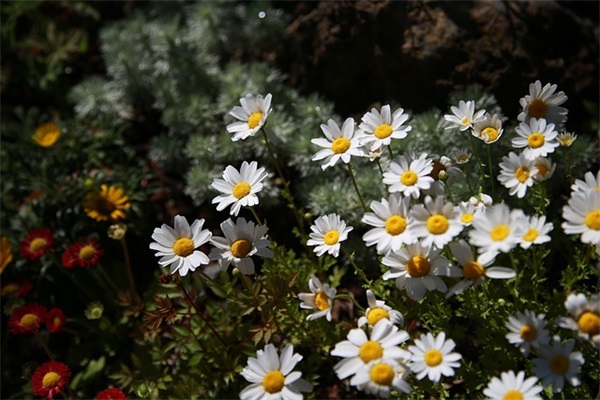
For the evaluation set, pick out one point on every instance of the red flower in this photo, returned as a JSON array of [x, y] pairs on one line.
[[17, 288], [36, 243], [49, 379], [26, 319], [111, 394], [84, 253], [55, 320]]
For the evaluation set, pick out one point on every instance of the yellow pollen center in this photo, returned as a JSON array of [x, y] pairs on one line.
[[535, 140], [370, 351], [241, 190], [409, 178], [377, 314], [382, 374], [433, 358], [383, 131], [491, 133], [57, 321], [50, 380], [559, 364], [183, 247], [473, 270], [528, 333], [254, 120], [463, 158], [87, 252], [467, 218], [240, 248], [418, 266], [531, 235], [538, 108], [513, 395], [542, 169], [500, 232], [331, 237], [395, 225], [522, 174], [465, 121], [589, 322], [37, 244], [592, 220], [273, 382], [322, 300], [29, 320], [437, 224], [340, 145]]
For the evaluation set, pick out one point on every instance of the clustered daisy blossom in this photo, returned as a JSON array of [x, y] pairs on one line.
[[543, 102], [496, 229], [320, 298], [537, 137], [488, 129], [252, 116], [513, 386], [392, 224], [36, 243], [408, 175], [109, 203], [464, 115], [527, 330], [582, 215], [380, 127], [49, 379], [338, 144], [585, 316], [436, 222], [46, 135], [239, 188], [27, 319], [327, 234], [517, 173], [377, 311], [85, 253], [433, 357], [558, 363]]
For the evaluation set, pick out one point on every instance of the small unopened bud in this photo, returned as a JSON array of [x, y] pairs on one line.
[[117, 231], [94, 310], [443, 176]]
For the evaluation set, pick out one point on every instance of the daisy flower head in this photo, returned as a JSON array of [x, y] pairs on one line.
[[49, 379], [55, 320], [481, 201], [527, 330], [433, 357], [85, 253], [392, 224], [489, 128], [327, 234], [566, 139], [377, 311], [27, 319], [252, 116], [338, 144], [460, 156], [537, 137], [545, 169], [496, 229], [475, 270], [15, 288], [589, 183], [320, 299], [467, 212], [108, 204], [408, 175], [272, 375], [418, 268], [46, 135], [513, 386], [558, 363], [242, 240], [516, 173], [380, 377], [360, 350], [464, 115], [436, 222], [380, 127], [543, 102], [36, 243], [111, 394], [239, 188], [177, 246], [585, 316], [535, 231], [582, 216]]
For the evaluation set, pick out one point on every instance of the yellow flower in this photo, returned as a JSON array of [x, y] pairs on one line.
[[109, 203], [6, 254], [47, 134]]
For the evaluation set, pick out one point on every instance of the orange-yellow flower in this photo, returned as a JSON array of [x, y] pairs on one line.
[[47, 134], [6, 254], [110, 203]]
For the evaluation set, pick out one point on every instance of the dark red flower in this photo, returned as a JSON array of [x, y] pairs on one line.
[[17, 288], [26, 319], [36, 243], [85, 253], [55, 320], [49, 379], [111, 394]]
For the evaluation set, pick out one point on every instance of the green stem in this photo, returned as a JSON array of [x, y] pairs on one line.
[[256, 217], [450, 196], [479, 163], [351, 298], [358, 270], [471, 192], [391, 152], [360, 198], [489, 153], [379, 165], [129, 270]]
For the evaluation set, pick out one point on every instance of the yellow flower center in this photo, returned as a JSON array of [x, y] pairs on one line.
[[500, 232], [538, 108], [437, 224], [240, 248], [57, 321], [418, 266], [473, 270], [465, 121], [463, 158], [37, 244], [87, 252], [273, 382], [409, 178], [589, 322], [46, 135], [331, 237], [377, 314], [592, 220], [340, 145], [433, 357], [50, 380], [528, 333], [542, 169], [370, 351], [322, 300], [491, 132], [383, 131], [536, 140], [29, 320], [395, 225], [513, 395], [559, 364], [531, 235], [183, 247], [10, 288], [467, 218], [254, 120], [241, 190], [382, 374], [522, 174]]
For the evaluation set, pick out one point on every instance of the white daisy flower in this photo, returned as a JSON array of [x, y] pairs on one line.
[[511, 386], [537, 137], [558, 363], [360, 350], [566, 139], [481, 201], [467, 212], [392, 221], [436, 222], [272, 376], [475, 270], [339, 144], [409, 176], [496, 229], [377, 311], [460, 156], [543, 103], [243, 239], [535, 231], [585, 316], [527, 330], [418, 268], [381, 127], [590, 183], [320, 298], [545, 168], [516, 173], [380, 377], [489, 129], [239, 188], [464, 115], [582, 215], [252, 116], [177, 247], [431, 356], [327, 233]]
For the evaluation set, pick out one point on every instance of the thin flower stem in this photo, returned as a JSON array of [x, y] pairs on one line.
[[379, 166], [108, 278], [489, 154], [391, 152], [358, 270], [471, 192], [256, 217], [449, 191], [43, 344], [129, 270], [351, 298], [360, 198], [481, 173]]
